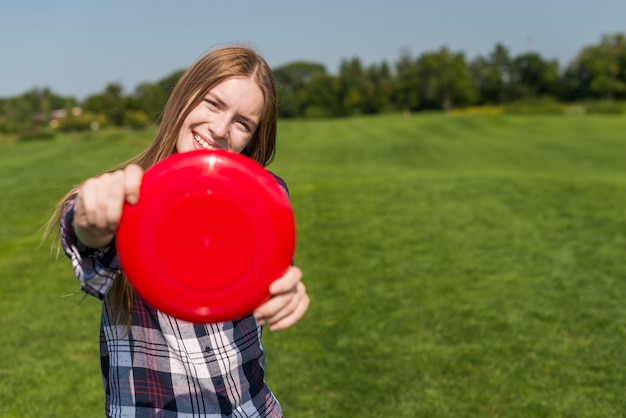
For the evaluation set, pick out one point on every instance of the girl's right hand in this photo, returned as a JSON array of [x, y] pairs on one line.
[[99, 204]]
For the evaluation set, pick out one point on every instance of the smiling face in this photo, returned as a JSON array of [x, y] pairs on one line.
[[227, 118]]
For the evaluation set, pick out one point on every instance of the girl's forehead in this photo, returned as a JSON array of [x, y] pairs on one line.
[[201, 92], [241, 94]]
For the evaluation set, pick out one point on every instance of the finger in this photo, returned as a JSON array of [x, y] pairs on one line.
[[269, 309], [133, 175], [90, 203], [112, 200], [281, 291], [95, 201], [295, 316], [286, 309], [287, 282], [280, 307], [80, 210]]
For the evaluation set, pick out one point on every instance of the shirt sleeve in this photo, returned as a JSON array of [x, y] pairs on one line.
[[281, 183], [95, 268]]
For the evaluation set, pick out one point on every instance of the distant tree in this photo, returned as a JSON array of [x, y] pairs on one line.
[[599, 71], [320, 97], [94, 103], [31, 109], [486, 78], [496, 77], [18, 112], [297, 74], [378, 89], [113, 102], [168, 83], [43, 102], [501, 60], [293, 83], [613, 52], [536, 77], [150, 99], [617, 44], [406, 87], [351, 87], [445, 80], [289, 105]]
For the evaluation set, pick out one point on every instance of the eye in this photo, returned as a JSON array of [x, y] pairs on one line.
[[244, 125], [211, 103]]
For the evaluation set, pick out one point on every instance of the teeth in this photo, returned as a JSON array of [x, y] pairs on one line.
[[202, 142]]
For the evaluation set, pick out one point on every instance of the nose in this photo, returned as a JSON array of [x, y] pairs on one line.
[[219, 127]]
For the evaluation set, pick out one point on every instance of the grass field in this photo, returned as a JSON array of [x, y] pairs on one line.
[[470, 266]]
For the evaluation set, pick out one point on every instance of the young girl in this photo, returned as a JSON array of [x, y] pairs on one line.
[[154, 364]]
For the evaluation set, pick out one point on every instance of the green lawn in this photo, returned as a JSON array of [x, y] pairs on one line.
[[467, 266]]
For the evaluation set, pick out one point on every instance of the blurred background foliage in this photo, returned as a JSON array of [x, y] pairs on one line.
[[441, 80]]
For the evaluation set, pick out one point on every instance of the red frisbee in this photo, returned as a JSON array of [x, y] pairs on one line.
[[211, 231]]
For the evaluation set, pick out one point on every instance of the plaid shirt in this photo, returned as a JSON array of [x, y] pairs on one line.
[[166, 367]]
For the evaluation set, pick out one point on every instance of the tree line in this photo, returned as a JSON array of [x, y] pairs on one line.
[[437, 80]]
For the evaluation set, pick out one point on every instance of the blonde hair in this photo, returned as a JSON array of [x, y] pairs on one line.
[[210, 70]]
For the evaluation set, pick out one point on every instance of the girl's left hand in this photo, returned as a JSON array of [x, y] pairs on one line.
[[287, 304]]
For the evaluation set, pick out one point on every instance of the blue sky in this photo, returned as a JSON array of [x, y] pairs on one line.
[[77, 47]]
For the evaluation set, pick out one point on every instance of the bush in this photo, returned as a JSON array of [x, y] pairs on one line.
[[9, 127], [83, 122], [35, 133], [604, 107], [316, 112], [478, 110], [136, 119], [533, 106]]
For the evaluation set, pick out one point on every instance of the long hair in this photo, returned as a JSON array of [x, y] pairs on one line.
[[210, 70]]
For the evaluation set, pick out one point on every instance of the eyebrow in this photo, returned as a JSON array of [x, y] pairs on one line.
[[223, 103]]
